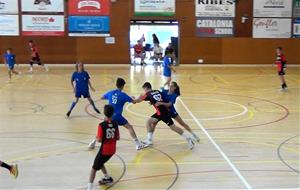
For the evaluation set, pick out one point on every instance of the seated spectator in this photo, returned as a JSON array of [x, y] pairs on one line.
[[158, 52], [139, 51]]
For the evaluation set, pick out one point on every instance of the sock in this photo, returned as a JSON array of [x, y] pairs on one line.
[[137, 142], [185, 135], [72, 106], [4, 165], [150, 136]]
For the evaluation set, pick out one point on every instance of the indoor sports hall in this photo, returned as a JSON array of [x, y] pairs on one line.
[[236, 63]]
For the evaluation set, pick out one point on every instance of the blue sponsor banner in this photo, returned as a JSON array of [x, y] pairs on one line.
[[89, 25], [296, 28]]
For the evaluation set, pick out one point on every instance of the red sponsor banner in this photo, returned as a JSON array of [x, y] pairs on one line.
[[89, 7]]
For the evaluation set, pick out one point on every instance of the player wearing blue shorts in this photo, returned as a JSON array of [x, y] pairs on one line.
[[168, 68], [80, 82], [169, 98], [10, 61], [117, 98]]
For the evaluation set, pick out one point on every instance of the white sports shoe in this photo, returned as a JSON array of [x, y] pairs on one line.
[[196, 138], [141, 146], [147, 142], [92, 145], [89, 186], [190, 143]]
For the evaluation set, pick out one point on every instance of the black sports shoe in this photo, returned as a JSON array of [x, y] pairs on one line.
[[96, 110], [105, 181], [68, 114]]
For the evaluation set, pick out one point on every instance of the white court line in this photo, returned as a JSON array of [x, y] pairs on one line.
[[236, 171]]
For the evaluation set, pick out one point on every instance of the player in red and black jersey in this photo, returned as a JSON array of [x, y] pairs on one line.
[[162, 114], [281, 66], [35, 57], [108, 135]]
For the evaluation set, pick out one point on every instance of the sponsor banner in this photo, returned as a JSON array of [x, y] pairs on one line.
[[89, 26], [219, 8], [9, 7], [297, 8], [272, 28], [214, 27], [43, 6], [89, 7], [9, 25], [43, 25], [154, 7], [272, 8], [296, 28]]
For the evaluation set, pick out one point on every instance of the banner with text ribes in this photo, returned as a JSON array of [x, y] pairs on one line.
[[272, 28], [272, 8], [154, 7], [220, 8]]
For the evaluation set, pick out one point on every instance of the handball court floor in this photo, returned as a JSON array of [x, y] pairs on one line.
[[250, 137]]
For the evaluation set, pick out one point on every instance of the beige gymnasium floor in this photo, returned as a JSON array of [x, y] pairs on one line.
[[254, 125]]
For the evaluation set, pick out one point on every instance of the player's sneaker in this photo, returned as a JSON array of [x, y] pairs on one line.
[[141, 146], [31, 70], [106, 180], [196, 138], [89, 187], [191, 143], [147, 142], [14, 170], [68, 114], [92, 145]]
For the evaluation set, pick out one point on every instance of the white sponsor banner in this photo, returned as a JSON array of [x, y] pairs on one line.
[[9, 7], [43, 25], [154, 7], [9, 25], [42, 5], [272, 28], [272, 8], [216, 8]]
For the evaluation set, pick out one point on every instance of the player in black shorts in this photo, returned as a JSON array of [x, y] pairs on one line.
[[162, 114], [108, 135]]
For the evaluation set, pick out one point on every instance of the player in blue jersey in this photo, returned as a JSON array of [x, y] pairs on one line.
[[80, 82], [117, 98], [168, 68], [169, 99], [10, 61]]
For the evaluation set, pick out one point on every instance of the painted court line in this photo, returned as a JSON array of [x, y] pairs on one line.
[[236, 171]]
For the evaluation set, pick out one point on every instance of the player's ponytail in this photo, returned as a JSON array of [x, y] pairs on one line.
[[177, 88]]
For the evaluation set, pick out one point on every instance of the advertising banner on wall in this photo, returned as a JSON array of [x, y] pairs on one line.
[[89, 7], [42, 6], [296, 28], [9, 7], [154, 7], [297, 8], [271, 28], [272, 8], [43, 25], [89, 26], [208, 8], [9, 25], [214, 27]]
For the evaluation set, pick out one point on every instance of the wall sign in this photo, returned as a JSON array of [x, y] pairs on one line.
[[297, 8], [9, 25], [219, 8], [43, 25], [43, 6], [9, 7], [154, 7], [89, 26], [271, 28], [89, 7], [296, 28], [214, 27], [272, 8]]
